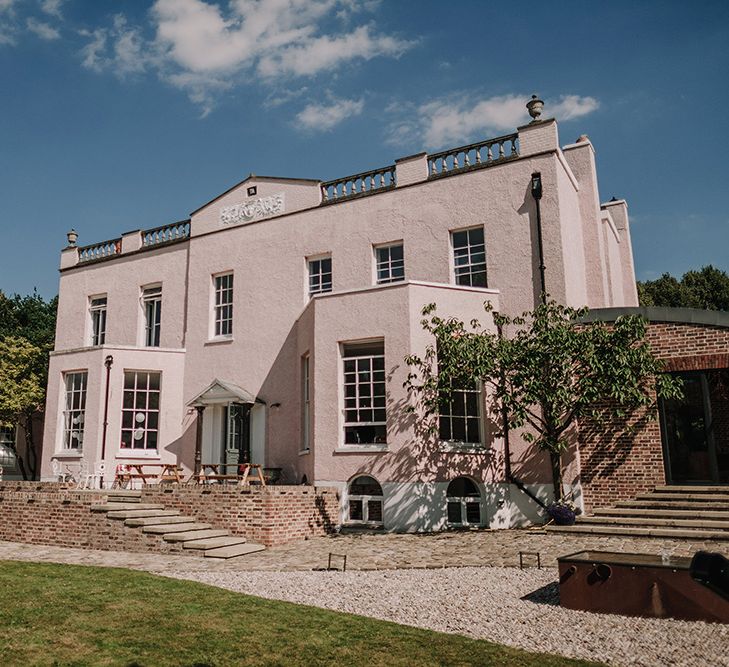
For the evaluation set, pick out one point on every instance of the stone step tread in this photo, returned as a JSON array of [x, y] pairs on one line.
[[194, 535], [693, 489], [684, 496], [165, 529], [123, 493], [234, 551], [676, 504], [653, 521], [137, 522], [106, 507], [141, 514], [643, 532], [688, 514], [215, 542]]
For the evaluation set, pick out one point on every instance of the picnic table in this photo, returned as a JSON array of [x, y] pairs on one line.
[[127, 473], [218, 472]]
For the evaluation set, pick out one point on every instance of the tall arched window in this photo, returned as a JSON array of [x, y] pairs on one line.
[[464, 503], [365, 501]]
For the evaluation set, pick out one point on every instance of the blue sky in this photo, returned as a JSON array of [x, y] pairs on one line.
[[124, 115]]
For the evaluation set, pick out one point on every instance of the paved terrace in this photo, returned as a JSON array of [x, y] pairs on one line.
[[484, 548]]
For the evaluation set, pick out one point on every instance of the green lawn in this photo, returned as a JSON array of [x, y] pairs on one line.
[[73, 615]]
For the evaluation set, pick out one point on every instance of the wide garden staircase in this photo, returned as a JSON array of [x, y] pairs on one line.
[[679, 512], [172, 527]]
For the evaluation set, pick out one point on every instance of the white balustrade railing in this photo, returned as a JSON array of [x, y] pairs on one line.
[[177, 231], [481, 153], [101, 250], [368, 182]]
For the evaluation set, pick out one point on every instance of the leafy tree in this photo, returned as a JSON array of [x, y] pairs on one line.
[[707, 288], [551, 372], [22, 391], [27, 330]]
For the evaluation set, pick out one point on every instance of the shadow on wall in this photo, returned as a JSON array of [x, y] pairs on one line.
[[184, 447]]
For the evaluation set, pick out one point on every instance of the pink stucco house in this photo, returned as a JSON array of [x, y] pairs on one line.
[[272, 325]]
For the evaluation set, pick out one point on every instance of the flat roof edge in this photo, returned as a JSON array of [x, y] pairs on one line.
[[717, 318]]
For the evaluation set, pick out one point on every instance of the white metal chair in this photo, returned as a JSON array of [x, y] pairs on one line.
[[93, 479]]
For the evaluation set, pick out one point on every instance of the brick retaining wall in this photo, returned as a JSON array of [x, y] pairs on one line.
[[47, 513], [617, 464], [271, 516]]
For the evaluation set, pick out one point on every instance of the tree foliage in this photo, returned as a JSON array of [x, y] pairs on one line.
[[27, 330], [553, 370], [707, 288]]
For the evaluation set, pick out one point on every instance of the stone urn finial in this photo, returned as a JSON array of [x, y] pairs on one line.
[[534, 107], [72, 237]]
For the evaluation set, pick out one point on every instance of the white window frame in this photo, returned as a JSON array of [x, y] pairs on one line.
[[97, 319], [388, 264], [365, 500], [151, 299], [305, 403], [222, 322], [356, 402], [469, 264], [142, 424], [316, 280], [75, 388], [464, 501], [460, 394]]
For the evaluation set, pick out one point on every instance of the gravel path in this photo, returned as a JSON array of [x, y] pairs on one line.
[[486, 603]]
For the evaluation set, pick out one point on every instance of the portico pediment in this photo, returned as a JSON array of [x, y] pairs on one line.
[[221, 392]]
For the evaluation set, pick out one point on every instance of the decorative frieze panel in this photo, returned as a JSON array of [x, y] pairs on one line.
[[253, 209]]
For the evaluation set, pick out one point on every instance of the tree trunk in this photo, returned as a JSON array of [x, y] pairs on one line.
[[30, 446], [556, 461]]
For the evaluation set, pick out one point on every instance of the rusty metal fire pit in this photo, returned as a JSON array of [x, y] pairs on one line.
[[646, 585]]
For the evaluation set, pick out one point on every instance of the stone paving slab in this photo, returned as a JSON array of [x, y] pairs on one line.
[[498, 548]]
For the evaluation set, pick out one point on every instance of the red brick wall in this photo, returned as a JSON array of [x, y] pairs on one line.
[[271, 516], [617, 464], [45, 513]]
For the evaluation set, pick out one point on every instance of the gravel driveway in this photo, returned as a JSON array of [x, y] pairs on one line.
[[486, 603]]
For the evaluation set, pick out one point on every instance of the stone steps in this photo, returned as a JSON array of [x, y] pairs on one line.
[[679, 514], [141, 514], [195, 534], [627, 531], [168, 528], [234, 551], [117, 506], [652, 521], [195, 538], [213, 543], [672, 504], [701, 497], [673, 512], [139, 522]]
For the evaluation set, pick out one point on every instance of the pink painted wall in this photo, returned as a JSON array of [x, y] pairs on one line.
[[275, 323]]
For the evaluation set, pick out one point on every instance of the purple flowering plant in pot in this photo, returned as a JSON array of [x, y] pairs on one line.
[[562, 512]]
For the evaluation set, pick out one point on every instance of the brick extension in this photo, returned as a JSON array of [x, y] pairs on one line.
[[46, 513], [617, 464]]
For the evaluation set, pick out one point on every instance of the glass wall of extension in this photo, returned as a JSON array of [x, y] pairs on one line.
[[695, 429]]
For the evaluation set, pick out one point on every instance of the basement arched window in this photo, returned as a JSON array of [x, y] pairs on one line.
[[365, 501], [463, 503]]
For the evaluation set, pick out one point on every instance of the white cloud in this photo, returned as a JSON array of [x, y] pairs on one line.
[[322, 117], [120, 49], [572, 106], [52, 7], [454, 118], [205, 47], [42, 30], [270, 38]]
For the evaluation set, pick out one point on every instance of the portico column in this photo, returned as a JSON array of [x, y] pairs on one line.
[[198, 438]]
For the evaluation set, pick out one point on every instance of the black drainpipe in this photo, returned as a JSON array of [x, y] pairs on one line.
[[536, 187], [108, 363]]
